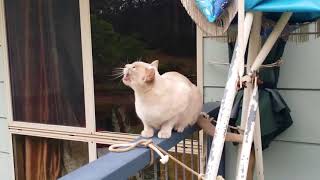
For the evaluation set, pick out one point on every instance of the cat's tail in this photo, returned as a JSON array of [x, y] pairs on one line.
[[204, 122]]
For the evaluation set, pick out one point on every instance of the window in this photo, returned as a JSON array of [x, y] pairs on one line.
[[46, 50], [45, 58], [63, 95], [127, 31], [43, 158]]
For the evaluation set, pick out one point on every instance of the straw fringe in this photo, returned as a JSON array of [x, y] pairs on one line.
[[211, 29], [318, 28], [293, 33], [300, 34], [224, 32]]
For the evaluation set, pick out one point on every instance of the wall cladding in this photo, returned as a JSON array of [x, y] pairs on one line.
[[294, 154]]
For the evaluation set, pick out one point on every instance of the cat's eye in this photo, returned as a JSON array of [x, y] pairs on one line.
[[134, 67]]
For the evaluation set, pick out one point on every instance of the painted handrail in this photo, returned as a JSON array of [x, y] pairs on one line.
[[125, 164]]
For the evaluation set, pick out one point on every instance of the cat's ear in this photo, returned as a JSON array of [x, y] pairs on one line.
[[149, 76], [155, 64]]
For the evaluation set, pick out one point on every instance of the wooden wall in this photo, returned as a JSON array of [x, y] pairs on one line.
[[295, 153], [5, 145]]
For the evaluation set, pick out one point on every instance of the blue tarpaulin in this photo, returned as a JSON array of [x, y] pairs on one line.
[[304, 10], [305, 6]]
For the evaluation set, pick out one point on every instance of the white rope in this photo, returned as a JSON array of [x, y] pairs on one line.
[[162, 153], [271, 65]]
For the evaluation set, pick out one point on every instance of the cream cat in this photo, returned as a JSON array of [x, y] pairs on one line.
[[165, 102]]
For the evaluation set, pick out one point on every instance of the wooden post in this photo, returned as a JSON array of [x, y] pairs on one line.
[[253, 105], [226, 106], [278, 28], [248, 135], [253, 50], [258, 148], [202, 136], [241, 37]]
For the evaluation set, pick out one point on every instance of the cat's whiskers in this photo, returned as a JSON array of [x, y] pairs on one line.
[[117, 76], [117, 73], [119, 68]]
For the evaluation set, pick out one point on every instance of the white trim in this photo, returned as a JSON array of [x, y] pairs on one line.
[[88, 83], [199, 49], [202, 136], [49, 127], [92, 149], [102, 139]]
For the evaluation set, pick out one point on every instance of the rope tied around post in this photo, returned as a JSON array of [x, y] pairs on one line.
[[144, 143], [164, 155]]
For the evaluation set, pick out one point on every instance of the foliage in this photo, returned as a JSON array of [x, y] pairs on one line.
[[110, 48], [161, 24]]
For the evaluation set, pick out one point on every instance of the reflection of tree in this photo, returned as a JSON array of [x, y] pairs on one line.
[[127, 30], [109, 48], [162, 24]]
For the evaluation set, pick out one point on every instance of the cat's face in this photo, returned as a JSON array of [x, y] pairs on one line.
[[139, 75]]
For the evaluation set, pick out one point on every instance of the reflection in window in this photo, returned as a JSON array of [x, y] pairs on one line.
[[45, 57], [41, 158], [126, 31]]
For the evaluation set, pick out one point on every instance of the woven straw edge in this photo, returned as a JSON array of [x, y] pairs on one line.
[[211, 29]]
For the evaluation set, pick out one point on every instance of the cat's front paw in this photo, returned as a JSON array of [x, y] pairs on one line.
[[164, 134], [147, 133]]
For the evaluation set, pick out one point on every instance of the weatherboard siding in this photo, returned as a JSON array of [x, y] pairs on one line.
[[5, 154], [295, 153]]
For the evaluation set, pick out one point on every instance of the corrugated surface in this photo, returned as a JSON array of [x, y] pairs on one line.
[[4, 167], [4, 136], [1, 67], [295, 153], [301, 65], [304, 107], [213, 94], [283, 161], [215, 52]]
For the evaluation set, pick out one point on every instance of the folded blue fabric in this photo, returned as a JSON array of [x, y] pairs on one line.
[[304, 10], [212, 9]]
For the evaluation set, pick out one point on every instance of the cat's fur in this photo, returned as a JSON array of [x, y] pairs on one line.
[[165, 102]]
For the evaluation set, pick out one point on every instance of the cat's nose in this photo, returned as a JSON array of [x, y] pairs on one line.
[[125, 71]]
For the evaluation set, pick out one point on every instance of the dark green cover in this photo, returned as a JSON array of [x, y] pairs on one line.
[[274, 112]]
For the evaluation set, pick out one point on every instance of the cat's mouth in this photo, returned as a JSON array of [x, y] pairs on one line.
[[126, 78]]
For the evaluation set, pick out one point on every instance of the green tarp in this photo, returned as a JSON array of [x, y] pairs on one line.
[[274, 112]]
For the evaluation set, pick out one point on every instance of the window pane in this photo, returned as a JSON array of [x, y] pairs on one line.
[[126, 31], [45, 58], [42, 158], [102, 149]]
